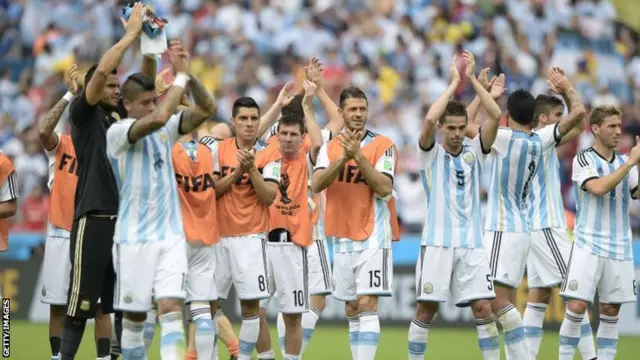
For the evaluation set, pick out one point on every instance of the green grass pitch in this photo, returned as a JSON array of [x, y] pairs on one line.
[[31, 342]]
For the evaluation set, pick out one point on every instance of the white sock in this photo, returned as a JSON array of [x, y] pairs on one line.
[[532, 321], [607, 337], [108, 357], [281, 331], [132, 343], [291, 357], [488, 339], [354, 328], [309, 320], [368, 335], [55, 357], [149, 328], [418, 332], [267, 355], [248, 336], [569, 334], [514, 344], [586, 346], [206, 331], [172, 342]]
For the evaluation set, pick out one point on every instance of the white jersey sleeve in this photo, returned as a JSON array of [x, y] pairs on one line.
[[476, 145], [173, 127], [118, 137], [272, 131], [583, 170], [426, 156], [501, 144], [549, 137], [322, 162], [272, 171], [51, 159], [633, 180], [387, 162], [9, 188], [326, 135]]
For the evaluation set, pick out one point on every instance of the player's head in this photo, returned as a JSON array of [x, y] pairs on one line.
[[549, 110], [111, 91], [522, 107], [453, 124], [245, 118], [606, 125], [290, 134], [139, 95], [354, 106]]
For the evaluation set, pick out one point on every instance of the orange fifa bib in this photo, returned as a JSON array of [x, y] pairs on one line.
[[6, 168], [350, 206], [197, 193], [290, 211], [65, 181], [240, 212]]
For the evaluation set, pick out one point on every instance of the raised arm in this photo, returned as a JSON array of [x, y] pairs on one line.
[[474, 106], [47, 124], [158, 118], [313, 130], [428, 133], [204, 107], [577, 113], [314, 73], [285, 96], [111, 59]]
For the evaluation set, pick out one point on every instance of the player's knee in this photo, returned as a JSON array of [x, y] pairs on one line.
[[249, 308], [577, 306], [481, 309], [351, 308], [137, 317], [166, 306], [539, 295], [609, 309], [367, 303], [292, 321], [426, 311]]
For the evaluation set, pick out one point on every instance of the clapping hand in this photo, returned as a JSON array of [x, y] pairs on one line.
[[350, 141], [72, 79]]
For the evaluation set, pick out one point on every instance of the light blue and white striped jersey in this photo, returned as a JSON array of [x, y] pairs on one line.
[[452, 185], [149, 208], [515, 159], [602, 222], [547, 209], [380, 237]]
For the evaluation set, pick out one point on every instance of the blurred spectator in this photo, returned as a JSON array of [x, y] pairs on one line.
[[35, 209]]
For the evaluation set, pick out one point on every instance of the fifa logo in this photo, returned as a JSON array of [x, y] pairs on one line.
[[157, 161]]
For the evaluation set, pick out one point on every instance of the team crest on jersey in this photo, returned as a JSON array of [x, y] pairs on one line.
[[573, 285], [163, 137], [468, 157], [127, 299], [428, 288]]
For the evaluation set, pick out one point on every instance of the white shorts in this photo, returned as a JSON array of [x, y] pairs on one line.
[[319, 268], [288, 277], [56, 269], [613, 279], [547, 261], [507, 256], [464, 272], [155, 269], [241, 261], [201, 285], [363, 272]]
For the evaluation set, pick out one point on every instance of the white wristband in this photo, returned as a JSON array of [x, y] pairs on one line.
[[181, 80], [68, 96]]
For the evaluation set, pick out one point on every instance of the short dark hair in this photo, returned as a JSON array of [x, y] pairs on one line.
[[352, 92], [136, 84], [244, 102], [91, 71], [546, 103], [600, 113], [294, 107], [521, 106], [454, 108], [291, 119]]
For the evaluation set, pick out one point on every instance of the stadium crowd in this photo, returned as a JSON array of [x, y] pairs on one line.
[[398, 51]]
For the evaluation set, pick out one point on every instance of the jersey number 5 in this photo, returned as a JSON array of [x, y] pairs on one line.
[[460, 177]]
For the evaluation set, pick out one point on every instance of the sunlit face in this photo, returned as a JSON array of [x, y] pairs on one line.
[[553, 117], [609, 132], [290, 140], [452, 131], [246, 123], [111, 93], [142, 106], [354, 113]]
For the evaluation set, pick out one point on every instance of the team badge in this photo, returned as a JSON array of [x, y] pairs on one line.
[[428, 288], [163, 137], [573, 285], [85, 305], [127, 299], [468, 157], [386, 165]]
